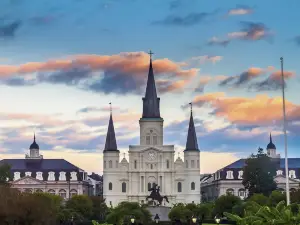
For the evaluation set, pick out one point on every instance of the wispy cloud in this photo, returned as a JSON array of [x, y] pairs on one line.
[[240, 10], [185, 21], [250, 31]]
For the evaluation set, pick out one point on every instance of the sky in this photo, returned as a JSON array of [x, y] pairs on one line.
[[62, 62]]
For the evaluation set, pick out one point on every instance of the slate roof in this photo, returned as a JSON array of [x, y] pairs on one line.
[[151, 101], [34, 145], [40, 164], [110, 143], [271, 145], [292, 163], [191, 142]]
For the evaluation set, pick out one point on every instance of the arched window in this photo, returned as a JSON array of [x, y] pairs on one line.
[[168, 164], [186, 164], [153, 184], [230, 191], [179, 187], [104, 164], [39, 191], [149, 186], [51, 191], [110, 186], [292, 189], [117, 163], [28, 190], [193, 163], [110, 164], [193, 186], [62, 193], [241, 193], [154, 140], [123, 187], [73, 192], [151, 166], [135, 164]]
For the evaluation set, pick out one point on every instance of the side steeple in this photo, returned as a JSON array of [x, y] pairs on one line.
[[151, 101], [110, 143], [191, 142]]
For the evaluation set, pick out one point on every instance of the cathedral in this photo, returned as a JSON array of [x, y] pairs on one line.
[[151, 162]]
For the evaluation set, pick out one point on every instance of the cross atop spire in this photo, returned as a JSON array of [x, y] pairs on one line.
[[271, 138], [150, 53], [191, 104]]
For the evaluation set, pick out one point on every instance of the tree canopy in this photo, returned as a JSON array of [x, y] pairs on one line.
[[5, 174], [259, 173]]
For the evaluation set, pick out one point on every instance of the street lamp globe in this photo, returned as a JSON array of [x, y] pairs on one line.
[[194, 219], [132, 220], [218, 220]]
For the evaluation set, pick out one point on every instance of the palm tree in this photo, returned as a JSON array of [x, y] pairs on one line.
[[265, 215]]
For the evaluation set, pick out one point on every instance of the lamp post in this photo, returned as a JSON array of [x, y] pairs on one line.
[[218, 220], [194, 219], [156, 218], [132, 219], [287, 186]]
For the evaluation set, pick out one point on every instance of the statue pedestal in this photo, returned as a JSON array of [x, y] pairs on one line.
[[162, 211]]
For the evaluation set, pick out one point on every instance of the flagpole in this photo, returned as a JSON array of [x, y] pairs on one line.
[[287, 186]]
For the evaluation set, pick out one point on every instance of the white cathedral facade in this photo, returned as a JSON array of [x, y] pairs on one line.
[[151, 162]]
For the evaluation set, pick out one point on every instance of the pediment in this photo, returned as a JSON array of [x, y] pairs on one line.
[[27, 180], [281, 179], [151, 148]]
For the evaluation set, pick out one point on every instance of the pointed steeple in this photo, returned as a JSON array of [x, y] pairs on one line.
[[191, 142], [111, 143], [34, 145], [151, 101], [271, 144]]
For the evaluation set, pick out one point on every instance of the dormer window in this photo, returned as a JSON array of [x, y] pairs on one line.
[[240, 174], [28, 174], [62, 176], [51, 176], [292, 174], [17, 175], [39, 176], [229, 174], [74, 176], [279, 172]]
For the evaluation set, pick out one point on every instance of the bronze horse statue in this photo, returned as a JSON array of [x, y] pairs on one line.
[[155, 195]]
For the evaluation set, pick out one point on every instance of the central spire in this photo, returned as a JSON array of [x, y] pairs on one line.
[[151, 101], [111, 143], [191, 142]]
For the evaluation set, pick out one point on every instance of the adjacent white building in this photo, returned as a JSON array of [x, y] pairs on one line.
[[55, 176], [151, 161], [229, 179]]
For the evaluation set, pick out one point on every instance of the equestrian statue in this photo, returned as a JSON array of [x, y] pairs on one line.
[[155, 195]]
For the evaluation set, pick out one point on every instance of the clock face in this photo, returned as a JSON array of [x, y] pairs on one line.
[[152, 155]]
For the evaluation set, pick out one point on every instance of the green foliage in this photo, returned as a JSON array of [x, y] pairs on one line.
[[125, 210], [81, 204], [259, 199], [259, 173], [100, 209], [225, 203], [94, 222], [276, 197], [264, 215], [186, 211], [4, 174]]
